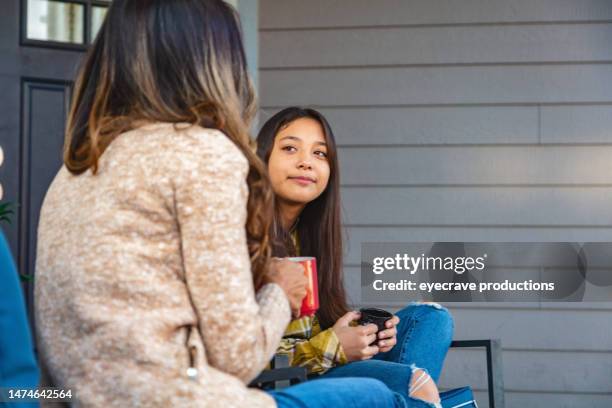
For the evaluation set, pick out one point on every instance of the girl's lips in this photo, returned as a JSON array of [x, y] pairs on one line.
[[302, 180]]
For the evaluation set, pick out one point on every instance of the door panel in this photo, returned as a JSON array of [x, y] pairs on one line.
[[35, 82], [44, 110]]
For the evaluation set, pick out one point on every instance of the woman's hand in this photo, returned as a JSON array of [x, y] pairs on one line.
[[355, 341], [290, 277], [387, 338]]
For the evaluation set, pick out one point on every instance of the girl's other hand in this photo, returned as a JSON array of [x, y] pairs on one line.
[[355, 341], [388, 337], [290, 277]]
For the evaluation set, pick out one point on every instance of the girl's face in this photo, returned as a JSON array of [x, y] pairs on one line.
[[298, 166]]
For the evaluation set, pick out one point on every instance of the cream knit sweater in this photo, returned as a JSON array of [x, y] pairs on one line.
[[143, 272]]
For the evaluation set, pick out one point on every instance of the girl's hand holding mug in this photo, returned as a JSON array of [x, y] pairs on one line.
[[290, 277], [388, 338], [356, 340], [385, 321]]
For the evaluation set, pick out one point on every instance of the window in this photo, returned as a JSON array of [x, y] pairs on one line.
[[97, 17], [56, 21], [62, 23]]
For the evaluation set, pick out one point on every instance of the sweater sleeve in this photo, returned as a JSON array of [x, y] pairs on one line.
[[240, 331]]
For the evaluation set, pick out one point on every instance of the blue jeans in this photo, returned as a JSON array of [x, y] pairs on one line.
[[338, 392], [424, 335]]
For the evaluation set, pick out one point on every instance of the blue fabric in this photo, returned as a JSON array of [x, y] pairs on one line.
[[338, 392], [424, 335], [458, 398], [17, 362]]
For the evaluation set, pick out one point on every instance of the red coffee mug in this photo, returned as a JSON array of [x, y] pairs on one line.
[[310, 304]]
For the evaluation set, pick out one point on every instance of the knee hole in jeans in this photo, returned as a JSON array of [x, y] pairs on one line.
[[423, 387]]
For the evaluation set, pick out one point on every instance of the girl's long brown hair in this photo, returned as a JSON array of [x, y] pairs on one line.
[[319, 227], [170, 61]]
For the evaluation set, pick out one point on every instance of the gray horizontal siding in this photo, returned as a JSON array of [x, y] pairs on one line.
[[472, 125], [438, 45], [517, 330], [537, 84], [473, 121], [491, 233], [433, 125], [459, 206], [474, 165], [292, 14], [467, 366], [355, 235], [576, 124]]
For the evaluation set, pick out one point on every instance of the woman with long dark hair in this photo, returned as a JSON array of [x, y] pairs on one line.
[[150, 291], [299, 148]]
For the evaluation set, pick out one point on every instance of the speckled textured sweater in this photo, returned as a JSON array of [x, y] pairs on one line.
[[143, 272]]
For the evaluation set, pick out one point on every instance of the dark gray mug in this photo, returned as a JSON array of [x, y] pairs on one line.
[[374, 315]]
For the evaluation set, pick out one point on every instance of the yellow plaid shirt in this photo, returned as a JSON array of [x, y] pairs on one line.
[[309, 346]]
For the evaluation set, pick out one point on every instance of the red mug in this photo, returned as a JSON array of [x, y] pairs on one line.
[[310, 304]]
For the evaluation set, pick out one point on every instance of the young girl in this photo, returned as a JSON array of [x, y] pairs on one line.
[[149, 291], [300, 150]]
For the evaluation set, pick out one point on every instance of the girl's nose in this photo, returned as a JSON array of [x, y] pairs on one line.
[[304, 165]]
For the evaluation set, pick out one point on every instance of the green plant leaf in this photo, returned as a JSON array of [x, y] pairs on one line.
[[26, 278], [5, 211]]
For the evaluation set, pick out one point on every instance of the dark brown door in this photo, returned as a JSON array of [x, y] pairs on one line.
[[41, 45]]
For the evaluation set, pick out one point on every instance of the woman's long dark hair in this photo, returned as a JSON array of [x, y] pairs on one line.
[[319, 227], [170, 61]]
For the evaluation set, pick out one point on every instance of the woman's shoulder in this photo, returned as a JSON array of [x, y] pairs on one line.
[[182, 146], [183, 138]]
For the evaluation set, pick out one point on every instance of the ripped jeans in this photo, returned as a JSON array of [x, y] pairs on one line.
[[424, 335]]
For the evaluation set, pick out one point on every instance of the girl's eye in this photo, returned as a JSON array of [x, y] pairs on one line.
[[289, 148], [320, 153]]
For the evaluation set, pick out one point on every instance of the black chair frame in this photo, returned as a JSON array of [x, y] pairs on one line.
[[280, 375], [495, 375]]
